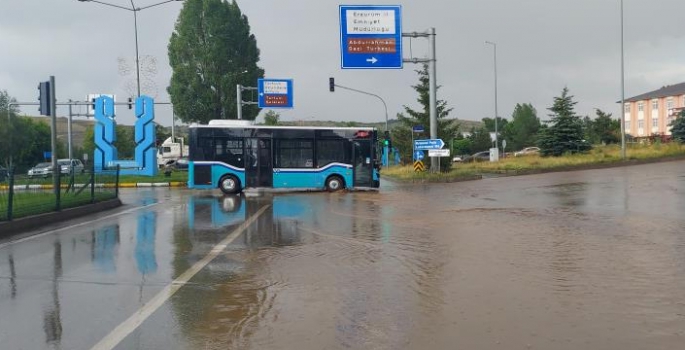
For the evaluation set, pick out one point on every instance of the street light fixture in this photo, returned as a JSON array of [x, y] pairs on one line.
[[135, 11], [494, 45]]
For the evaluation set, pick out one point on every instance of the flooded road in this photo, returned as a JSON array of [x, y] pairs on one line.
[[588, 259]]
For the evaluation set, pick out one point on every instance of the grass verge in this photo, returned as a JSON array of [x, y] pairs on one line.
[[599, 157]]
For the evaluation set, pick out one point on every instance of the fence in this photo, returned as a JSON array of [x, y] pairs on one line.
[[24, 195]]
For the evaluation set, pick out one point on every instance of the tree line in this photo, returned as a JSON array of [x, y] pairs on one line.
[[564, 132]]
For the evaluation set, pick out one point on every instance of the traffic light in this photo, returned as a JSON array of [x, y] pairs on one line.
[[130, 103], [387, 142], [331, 84], [44, 98]]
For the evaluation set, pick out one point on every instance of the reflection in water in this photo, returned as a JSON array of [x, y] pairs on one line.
[[13, 277], [145, 243], [52, 321], [105, 243], [227, 301], [361, 256]]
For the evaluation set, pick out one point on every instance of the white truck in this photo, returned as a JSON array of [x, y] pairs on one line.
[[170, 151]]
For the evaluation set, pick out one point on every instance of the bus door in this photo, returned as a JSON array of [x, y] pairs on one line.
[[363, 163], [259, 165]]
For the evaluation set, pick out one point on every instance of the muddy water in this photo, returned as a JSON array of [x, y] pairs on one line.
[[592, 259]]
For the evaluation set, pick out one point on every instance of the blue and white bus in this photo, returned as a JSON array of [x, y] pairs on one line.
[[234, 155]]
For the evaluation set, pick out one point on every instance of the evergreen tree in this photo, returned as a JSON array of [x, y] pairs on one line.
[[522, 131], [565, 131], [210, 52], [605, 129], [678, 128], [447, 128]]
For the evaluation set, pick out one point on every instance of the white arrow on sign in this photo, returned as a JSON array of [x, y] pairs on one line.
[[372, 60]]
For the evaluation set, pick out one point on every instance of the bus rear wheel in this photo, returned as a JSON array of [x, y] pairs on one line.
[[335, 183], [229, 184]]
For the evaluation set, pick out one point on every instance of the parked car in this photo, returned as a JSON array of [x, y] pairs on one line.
[[178, 164], [458, 159], [41, 170], [66, 166], [527, 151], [478, 157]]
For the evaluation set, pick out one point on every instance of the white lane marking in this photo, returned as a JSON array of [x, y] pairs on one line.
[[127, 327], [128, 211]]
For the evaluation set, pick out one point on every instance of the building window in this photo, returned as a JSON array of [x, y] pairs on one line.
[[655, 104], [640, 107], [655, 122], [640, 124], [626, 108], [669, 103], [627, 127]]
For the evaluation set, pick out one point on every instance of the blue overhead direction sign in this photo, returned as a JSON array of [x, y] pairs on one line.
[[423, 145], [275, 93], [371, 37]]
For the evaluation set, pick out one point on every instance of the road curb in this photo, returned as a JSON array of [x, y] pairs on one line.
[[98, 185]]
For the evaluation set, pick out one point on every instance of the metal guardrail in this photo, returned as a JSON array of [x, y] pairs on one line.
[[23, 196]]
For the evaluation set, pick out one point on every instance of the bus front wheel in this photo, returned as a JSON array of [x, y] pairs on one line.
[[335, 183], [229, 184]]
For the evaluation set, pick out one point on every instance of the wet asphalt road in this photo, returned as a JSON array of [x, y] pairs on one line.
[[588, 259]]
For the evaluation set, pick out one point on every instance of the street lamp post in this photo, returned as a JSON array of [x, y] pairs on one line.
[[135, 11], [494, 45], [623, 94]]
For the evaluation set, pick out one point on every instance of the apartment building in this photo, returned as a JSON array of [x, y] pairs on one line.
[[651, 113]]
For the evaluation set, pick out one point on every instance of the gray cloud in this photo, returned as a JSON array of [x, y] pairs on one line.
[[543, 46]]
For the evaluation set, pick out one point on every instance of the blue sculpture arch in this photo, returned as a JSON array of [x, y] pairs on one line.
[[105, 157]]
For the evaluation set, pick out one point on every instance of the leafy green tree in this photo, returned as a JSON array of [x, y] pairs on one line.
[[124, 142], [480, 140], [522, 131], [461, 145], [489, 124], [271, 118], [210, 52], [565, 131], [6, 124], [402, 134], [678, 128]]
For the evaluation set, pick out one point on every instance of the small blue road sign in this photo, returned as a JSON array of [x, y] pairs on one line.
[[417, 128], [371, 37], [428, 144], [418, 155], [275, 93]]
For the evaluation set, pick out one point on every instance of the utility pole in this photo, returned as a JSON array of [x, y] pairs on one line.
[[432, 77]]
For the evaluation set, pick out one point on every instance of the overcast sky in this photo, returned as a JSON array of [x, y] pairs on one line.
[[543, 45]]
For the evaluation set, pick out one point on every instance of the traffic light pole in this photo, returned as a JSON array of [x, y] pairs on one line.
[[370, 94], [239, 99], [386, 144], [53, 142]]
